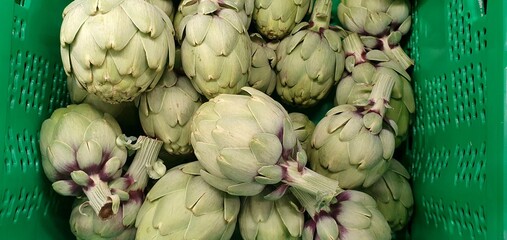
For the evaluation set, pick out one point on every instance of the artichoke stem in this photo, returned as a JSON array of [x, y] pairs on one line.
[[309, 203], [352, 44], [381, 93], [321, 14], [145, 157], [396, 53], [323, 189], [99, 196]]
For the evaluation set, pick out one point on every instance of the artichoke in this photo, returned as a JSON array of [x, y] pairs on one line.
[[394, 195], [311, 60], [262, 74], [243, 7], [165, 112], [354, 144], [86, 225], [260, 218], [116, 49], [245, 142], [274, 19], [215, 49], [381, 24], [351, 215], [81, 153], [303, 127], [357, 86], [181, 205], [167, 6]]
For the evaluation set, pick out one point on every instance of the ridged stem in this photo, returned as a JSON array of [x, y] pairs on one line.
[[323, 189], [98, 194], [398, 54], [352, 44], [321, 14], [145, 157], [381, 92]]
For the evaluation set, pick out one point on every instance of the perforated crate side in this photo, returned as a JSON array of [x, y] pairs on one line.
[[457, 154], [32, 85]]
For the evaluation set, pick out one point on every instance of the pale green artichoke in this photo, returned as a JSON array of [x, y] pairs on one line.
[[167, 6], [181, 205], [215, 49], [116, 49], [274, 19], [352, 215], [86, 225], [166, 111], [260, 218], [243, 7], [262, 74], [394, 195], [245, 142], [303, 127], [354, 144], [381, 24], [357, 86], [81, 153], [311, 60]]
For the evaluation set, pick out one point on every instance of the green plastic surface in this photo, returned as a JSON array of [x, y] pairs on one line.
[[455, 152], [32, 85]]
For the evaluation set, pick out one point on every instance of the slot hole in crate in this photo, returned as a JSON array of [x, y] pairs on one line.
[[20, 2]]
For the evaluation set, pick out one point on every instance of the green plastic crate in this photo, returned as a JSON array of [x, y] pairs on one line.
[[456, 150]]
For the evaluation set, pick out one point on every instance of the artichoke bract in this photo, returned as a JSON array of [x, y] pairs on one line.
[[215, 49], [352, 215], [86, 225], [166, 111], [260, 218], [262, 74], [274, 19], [181, 205], [380, 23], [357, 85], [311, 60], [303, 127], [81, 153], [116, 49], [245, 142], [167, 6], [354, 144], [394, 195], [243, 7]]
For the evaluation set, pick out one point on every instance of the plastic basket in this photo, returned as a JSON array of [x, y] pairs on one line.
[[455, 151]]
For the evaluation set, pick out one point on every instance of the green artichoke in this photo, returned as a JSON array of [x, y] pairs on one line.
[[181, 205], [303, 127], [116, 49], [354, 144], [245, 142], [381, 24], [274, 19], [86, 225], [351, 215], [166, 111], [262, 74], [311, 60], [215, 49], [243, 7], [357, 86], [81, 153], [394, 195], [260, 218], [167, 6]]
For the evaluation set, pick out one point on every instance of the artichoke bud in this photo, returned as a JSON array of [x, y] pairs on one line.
[[266, 16], [95, 45]]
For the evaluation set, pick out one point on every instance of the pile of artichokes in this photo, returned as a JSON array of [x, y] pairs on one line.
[[198, 119]]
